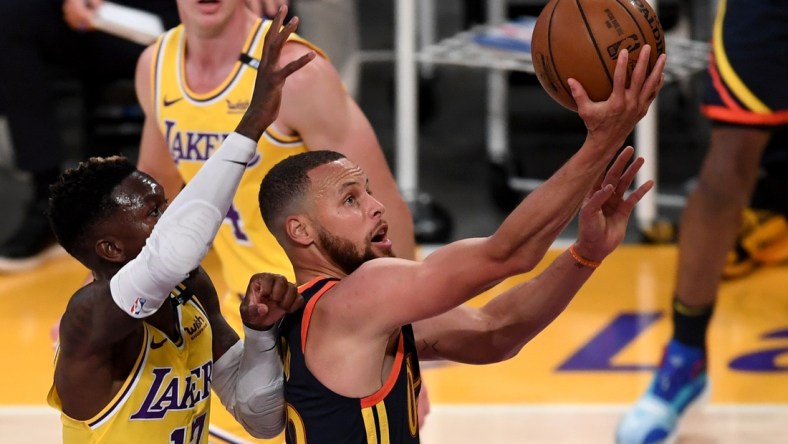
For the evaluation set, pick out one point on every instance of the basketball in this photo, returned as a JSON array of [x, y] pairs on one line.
[[580, 39]]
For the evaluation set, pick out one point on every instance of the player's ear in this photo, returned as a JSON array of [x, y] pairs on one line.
[[110, 249], [298, 230]]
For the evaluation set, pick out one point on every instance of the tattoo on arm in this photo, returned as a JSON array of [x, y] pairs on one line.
[[426, 345]]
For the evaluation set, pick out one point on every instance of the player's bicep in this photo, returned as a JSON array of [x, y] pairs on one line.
[[386, 293], [154, 155], [321, 124]]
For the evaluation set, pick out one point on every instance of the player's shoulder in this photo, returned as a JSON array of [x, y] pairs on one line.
[[316, 76], [85, 296], [294, 49]]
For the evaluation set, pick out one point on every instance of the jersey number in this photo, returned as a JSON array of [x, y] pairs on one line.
[[178, 436], [296, 430]]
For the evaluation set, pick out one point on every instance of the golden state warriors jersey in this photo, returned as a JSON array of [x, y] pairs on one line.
[[166, 397], [317, 415], [195, 125]]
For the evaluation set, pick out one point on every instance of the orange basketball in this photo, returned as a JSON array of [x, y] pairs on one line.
[[580, 39]]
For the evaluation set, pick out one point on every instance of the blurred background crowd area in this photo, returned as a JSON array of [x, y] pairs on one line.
[[462, 192]]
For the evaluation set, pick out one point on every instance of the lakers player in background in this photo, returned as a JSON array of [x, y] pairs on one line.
[[142, 345], [194, 85]]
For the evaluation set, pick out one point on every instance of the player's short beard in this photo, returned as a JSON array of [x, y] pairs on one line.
[[343, 252]]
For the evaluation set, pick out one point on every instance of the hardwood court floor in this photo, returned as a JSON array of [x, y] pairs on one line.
[[571, 384]]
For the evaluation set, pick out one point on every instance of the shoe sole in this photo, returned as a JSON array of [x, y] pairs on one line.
[[696, 405], [21, 265]]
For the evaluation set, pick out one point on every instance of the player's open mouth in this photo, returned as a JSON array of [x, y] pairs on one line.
[[380, 236]]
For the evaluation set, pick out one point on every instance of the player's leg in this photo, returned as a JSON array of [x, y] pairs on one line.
[[762, 239], [746, 102]]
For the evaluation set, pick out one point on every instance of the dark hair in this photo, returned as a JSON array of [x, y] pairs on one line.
[[287, 181], [81, 197]]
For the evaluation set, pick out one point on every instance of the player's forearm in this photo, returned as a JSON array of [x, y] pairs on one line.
[[249, 381], [521, 313], [184, 233], [528, 232]]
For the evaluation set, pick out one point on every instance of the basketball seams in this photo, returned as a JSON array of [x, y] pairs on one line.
[[642, 34], [560, 50], [553, 63], [593, 39]]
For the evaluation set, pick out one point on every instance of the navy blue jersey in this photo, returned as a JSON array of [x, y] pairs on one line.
[[316, 415]]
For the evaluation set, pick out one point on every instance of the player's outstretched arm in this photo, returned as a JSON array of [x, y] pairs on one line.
[[192, 220], [499, 329], [408, 291]]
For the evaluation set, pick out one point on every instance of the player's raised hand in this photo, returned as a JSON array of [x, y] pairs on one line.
[[609, 122], [268, 297], [605, 213], [267, 96]]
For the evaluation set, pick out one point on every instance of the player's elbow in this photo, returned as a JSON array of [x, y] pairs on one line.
[[505, 340], [269, 431], [261, 411]]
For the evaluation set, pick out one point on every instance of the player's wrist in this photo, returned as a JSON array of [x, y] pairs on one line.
[[585, 258], [260, 340], [254, 123], [261, 327]]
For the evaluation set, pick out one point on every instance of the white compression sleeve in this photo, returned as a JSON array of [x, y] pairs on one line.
[[184, 233], [248, 379]]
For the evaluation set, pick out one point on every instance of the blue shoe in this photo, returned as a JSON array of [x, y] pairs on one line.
[[679, 383]]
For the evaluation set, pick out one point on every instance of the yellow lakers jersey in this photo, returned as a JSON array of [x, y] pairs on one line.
[[195, 125], [166, 397]]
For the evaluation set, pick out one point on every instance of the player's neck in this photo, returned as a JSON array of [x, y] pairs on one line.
[[305, 274], [212, 51]]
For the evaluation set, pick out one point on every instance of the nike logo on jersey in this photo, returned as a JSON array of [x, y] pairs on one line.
[[154, 345], [244, 164], [172, 102]]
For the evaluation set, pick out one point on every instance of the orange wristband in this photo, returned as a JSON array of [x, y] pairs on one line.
[[581, 260]]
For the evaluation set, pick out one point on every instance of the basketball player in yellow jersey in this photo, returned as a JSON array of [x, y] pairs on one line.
[[194, 124], [144, 344], [193, 85]]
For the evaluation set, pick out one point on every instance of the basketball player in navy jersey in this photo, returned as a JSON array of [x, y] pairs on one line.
[[193, 87], [351, 355]]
